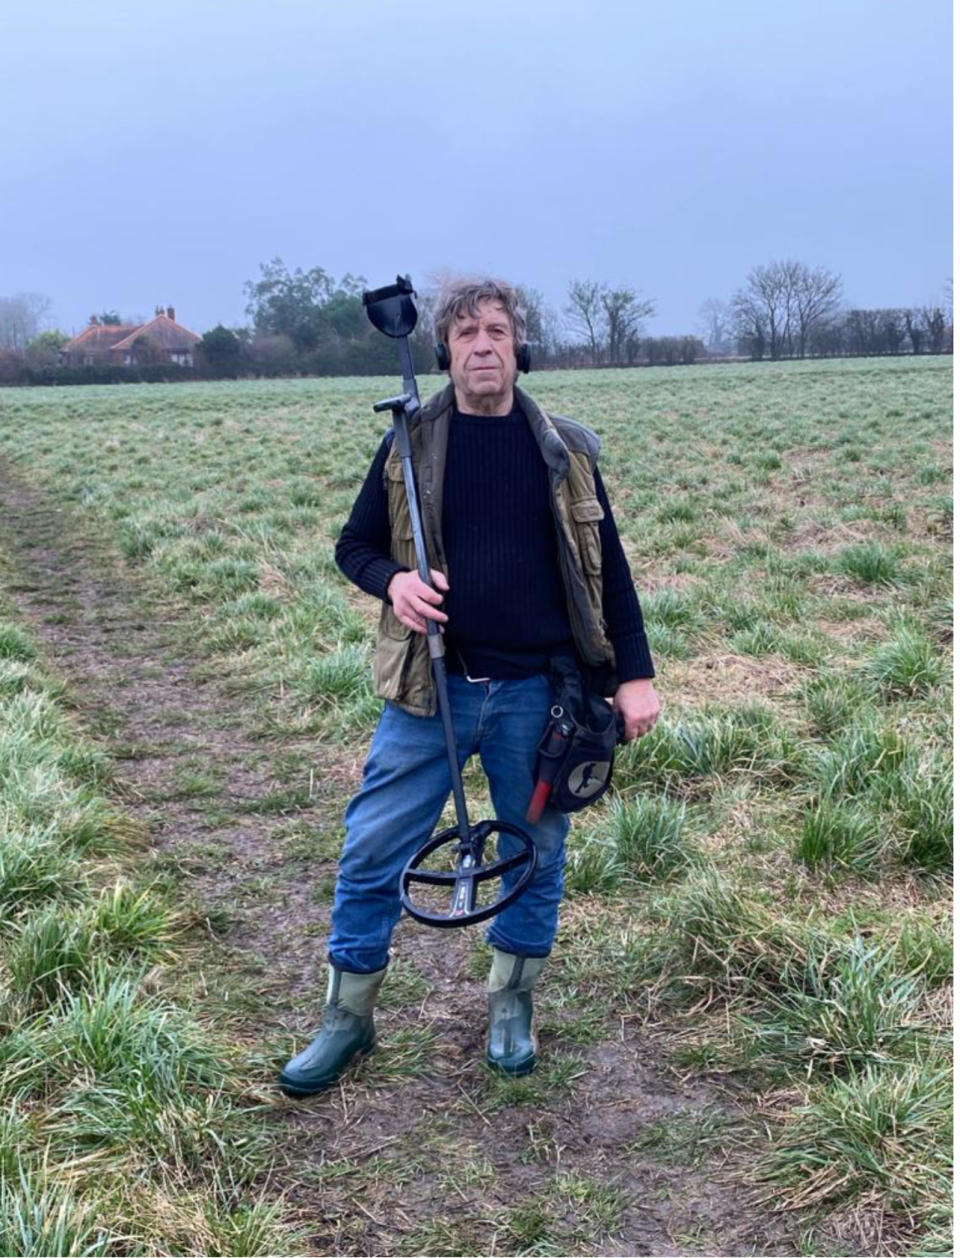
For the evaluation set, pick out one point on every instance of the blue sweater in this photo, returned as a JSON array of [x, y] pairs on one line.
[[506, 602]]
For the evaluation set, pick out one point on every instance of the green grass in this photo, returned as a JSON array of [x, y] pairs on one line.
[[908, 666], [841, 834], [871, 564], [883, 1131], [744, 742], [770, 890], [124, 1117], [649, 838]]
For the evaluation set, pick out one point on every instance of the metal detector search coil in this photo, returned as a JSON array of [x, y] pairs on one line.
[[393, 312]]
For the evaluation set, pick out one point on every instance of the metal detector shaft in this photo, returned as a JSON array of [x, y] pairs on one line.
[[409, 403]]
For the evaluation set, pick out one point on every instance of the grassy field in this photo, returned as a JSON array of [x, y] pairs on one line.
[[763, 901]]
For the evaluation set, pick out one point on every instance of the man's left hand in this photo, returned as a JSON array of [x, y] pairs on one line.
[[637, 703]]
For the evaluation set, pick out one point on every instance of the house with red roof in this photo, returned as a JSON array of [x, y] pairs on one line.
[[161, 340]]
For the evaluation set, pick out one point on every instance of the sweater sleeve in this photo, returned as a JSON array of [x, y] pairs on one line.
[[363, 548], [621, 607]]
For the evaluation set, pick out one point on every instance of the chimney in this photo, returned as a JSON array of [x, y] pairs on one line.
[[171, 314], [94, 321], [158, 310]]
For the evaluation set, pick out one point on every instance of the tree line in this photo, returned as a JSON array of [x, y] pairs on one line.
[[789, 310], [306, 322]]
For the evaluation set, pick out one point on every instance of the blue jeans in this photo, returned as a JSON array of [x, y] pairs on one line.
[[406, 783]]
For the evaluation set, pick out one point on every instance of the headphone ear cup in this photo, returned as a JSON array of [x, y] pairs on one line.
[[523, 357]]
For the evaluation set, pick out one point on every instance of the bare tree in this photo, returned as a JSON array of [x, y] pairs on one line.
[[827, 339], [21, 318], [539, 320], [912, 320], [715, 325], [624, 312], [788, 299], [585, 313], [935, 322], [766, 292], [750, 324], [816, 298], [862, 329], [892, 330]]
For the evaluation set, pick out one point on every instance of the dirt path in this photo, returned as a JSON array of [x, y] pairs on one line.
[[418, 1150]]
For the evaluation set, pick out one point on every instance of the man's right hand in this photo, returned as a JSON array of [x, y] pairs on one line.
[[414, 602]]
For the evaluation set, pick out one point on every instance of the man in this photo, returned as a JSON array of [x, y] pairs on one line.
[[527, 566]]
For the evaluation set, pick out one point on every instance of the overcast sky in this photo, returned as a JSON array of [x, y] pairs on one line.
[[158, 154]]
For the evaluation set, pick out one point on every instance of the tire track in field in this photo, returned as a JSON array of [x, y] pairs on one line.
[[139, 684]]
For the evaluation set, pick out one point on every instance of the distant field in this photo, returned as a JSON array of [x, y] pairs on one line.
[[768, 888]]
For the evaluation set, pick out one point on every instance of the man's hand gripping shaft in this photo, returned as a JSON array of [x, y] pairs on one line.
[[414, 602]]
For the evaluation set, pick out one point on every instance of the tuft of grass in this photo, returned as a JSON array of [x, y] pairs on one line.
[[340, 675], [16, 676], [925, 950], [847, 1007], [909, 666], [127, 1040], [667, 642], [673, 609], [882, 1135], [34, 867], [14, 643], [52, 954], [39, 1217], [833, 702], [925, 816], [135, 922], [719, 938], [677, 511], [593, 869], [745, 741], [762, 638], [840, 833], [871, 563], [649, 839], [864, 757]]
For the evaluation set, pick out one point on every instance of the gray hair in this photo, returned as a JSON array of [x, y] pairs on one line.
[[462, 296]]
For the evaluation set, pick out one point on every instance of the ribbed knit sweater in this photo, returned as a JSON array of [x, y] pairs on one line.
[[506, 605]]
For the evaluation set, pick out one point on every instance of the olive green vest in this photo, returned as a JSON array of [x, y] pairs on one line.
[[401, 666]]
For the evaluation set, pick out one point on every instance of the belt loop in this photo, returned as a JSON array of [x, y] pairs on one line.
[[463, 664]]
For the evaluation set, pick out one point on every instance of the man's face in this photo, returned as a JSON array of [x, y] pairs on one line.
[[483, 361]]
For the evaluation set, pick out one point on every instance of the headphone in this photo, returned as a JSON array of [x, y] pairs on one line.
[[443, 356]]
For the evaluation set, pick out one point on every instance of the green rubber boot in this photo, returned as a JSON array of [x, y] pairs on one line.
[[511, 1046], [347, 1030]]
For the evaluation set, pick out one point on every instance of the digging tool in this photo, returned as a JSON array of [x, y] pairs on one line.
[[458, 852]]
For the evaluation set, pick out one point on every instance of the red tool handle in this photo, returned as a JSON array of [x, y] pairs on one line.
[[539, 800], [550, 756]]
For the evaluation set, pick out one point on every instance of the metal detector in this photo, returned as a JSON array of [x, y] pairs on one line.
[[455, 857]]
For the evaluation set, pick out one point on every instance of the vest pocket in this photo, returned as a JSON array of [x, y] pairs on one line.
[[390, 657], [587, 514], [401, 525]]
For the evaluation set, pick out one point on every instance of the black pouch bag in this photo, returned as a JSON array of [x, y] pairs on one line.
[[575, 754]]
